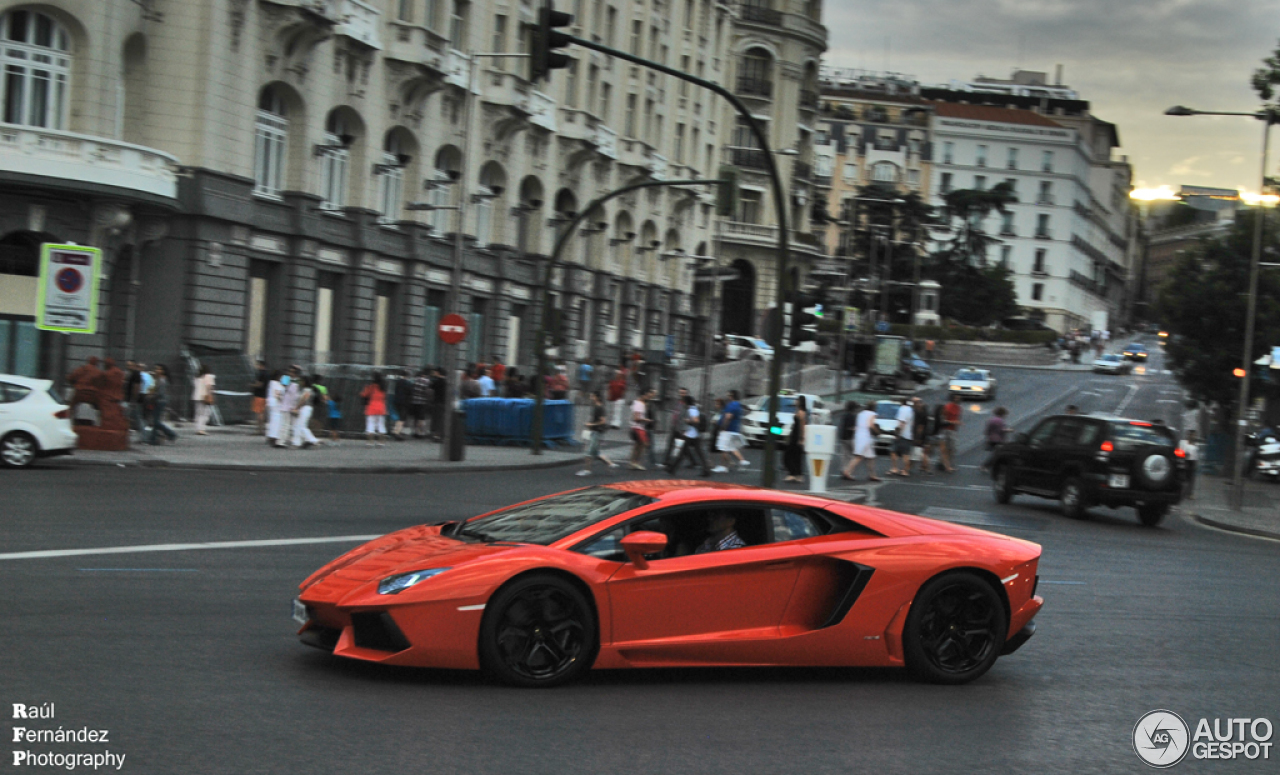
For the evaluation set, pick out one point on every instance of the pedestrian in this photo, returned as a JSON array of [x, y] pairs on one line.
[[438, 386], [731, 441], [651, 424], [793, 456], [403, 406], [320, 413], [261, 379], [487, 386], [498, 371], [1190, 447], [595, 428], [996, 432], [159, 402], [949, 420], [513, 385], [287, 404], [202, 398], [420, 403], [640, 438], [470, 386], [845, 432], [374, 396], [675, 425], [922, 436], [274, 402], [617, 395], [334, 406], [900, 454], [864, 443], [307, 397], [585, 371], [558, 384], [717, 417], [137, 388], [686, 446]]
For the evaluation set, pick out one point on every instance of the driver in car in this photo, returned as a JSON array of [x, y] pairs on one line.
[[721, 533]]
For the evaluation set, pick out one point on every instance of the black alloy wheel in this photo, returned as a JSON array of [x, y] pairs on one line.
[[956, 629], [18, 450], [1002, 484], [1074, 504], [538, 631]]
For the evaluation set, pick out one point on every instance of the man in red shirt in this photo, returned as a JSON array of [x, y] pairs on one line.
[[949, 426], [498, 371]]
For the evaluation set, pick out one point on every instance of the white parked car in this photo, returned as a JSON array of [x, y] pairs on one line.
[[742, 348], [34, 422], [886, 424], [755, 426], [972, 383]]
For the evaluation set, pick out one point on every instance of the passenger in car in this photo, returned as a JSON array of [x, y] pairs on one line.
[[722, 533]]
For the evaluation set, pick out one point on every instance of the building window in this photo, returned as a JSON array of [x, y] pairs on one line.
[[1046, 193], [458, 25], [945, 183], [679, 149], [1037, 291], [270, 144], [981, 161], [429, 18], [913, 178], [571, 84], [37, 69], [1006, 256], [1038, 267], [606, 92], [637, 34], [749, 207], [499, 39], [610, 27], [885, 172], [391, 180], [850, 171], [1012, 185], [1046, 163], [1006, 225], [629, 120], [405, 14], [333, 164], [948, 152], [980, 182], [1042, 227], [1013, 158]]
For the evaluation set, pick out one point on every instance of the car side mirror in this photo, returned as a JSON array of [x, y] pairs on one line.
[[640, 543]]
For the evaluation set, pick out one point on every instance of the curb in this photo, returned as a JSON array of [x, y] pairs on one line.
[[1079, 367], [1249, 531], [443, 468]]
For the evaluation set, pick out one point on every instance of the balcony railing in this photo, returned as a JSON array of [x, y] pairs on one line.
[[755, 13], [1044, 234], [753, 87], [77, 158], [752, 158], [1045, 199]]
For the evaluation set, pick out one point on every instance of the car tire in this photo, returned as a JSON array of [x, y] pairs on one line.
[[1074, 504], [18, 450], [538, 631], [955, 630], [1002, 484], [1152, 514]]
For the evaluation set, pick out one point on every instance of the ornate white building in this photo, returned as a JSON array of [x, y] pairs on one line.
[[246, 165]]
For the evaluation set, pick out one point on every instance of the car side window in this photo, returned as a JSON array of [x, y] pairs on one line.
[[1089, 434], [607, 546], [1066, 433], [791, 525], [1043, 432], [10, 393]]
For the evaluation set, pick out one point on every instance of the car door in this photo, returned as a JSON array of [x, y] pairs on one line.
[[722, 595], [1037, 462], [1063, 451]]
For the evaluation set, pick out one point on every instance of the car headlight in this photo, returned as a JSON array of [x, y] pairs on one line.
[[394, 585]]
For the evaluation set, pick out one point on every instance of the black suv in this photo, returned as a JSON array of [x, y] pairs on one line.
[[1087, 460]]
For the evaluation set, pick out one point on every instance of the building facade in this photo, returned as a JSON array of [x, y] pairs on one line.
[[285, 178]]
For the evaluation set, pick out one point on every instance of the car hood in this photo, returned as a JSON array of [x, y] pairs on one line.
[[417, 548]]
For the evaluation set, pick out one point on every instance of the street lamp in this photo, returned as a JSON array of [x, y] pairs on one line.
[[1268, 117]]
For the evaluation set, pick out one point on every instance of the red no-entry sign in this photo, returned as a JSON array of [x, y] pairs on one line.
[[452, 329]]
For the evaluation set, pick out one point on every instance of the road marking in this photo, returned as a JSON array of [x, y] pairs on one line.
[[1133, 391], [139, 570], [45, 553]]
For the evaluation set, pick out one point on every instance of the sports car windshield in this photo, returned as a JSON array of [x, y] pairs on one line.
[[550, 519]]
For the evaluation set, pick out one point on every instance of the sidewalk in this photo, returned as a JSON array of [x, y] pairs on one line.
[[238, 448], [1259, 517]]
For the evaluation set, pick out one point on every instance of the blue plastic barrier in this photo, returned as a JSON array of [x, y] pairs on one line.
[[510, 421]]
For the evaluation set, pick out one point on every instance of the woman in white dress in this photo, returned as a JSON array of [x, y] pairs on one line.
[[202, 398], [864, 444], [302, 435]]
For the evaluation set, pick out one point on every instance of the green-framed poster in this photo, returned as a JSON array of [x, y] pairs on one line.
[[68, 288]]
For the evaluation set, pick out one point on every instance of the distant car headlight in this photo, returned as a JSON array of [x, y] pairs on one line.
[[394, 585]]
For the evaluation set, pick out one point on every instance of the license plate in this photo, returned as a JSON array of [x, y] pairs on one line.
[[300, 612], [1119, 481]]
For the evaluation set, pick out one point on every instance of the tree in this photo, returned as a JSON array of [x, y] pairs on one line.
[[965, 211], [1202, 306], [975, 296]]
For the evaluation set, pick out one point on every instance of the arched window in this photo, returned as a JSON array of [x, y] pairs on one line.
[[34, 51], [885, 172], [335, 160], [270, 144]]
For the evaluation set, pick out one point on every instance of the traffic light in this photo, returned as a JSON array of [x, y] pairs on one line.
[[803, 323], [545, 55]]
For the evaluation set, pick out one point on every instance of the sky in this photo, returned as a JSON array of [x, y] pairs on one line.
[[1131, 59]]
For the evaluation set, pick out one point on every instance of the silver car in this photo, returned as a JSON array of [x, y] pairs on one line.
[[973, 384]]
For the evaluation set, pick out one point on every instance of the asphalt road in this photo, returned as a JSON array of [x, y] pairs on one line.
[[189, 660]]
